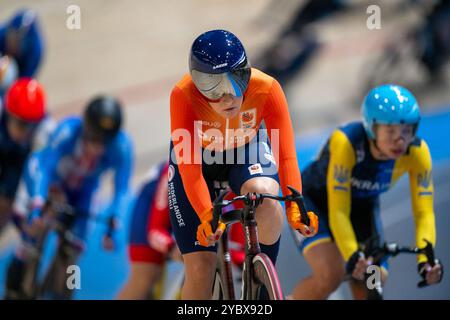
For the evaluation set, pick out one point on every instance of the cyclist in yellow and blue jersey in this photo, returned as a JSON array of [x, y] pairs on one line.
[[342, 186]]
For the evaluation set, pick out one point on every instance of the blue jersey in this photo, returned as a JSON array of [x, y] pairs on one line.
[[64, 163], [31, 49]]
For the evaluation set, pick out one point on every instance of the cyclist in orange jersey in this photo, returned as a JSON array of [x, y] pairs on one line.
[[216, 117]]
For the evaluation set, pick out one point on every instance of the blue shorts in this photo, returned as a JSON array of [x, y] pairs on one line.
[[253, 162], [365, 218]]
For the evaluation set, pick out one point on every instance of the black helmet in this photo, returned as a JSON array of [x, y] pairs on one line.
[[102, 118]]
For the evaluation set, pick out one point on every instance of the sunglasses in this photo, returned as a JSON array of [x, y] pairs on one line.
[[215, 86]]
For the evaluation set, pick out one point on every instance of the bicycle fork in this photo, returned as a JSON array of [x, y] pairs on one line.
[[226, 274], [252, 249]]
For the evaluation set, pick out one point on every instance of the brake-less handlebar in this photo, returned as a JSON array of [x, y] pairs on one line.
[[253, 200]]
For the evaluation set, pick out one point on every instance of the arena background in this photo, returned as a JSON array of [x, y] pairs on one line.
[[138, 50]]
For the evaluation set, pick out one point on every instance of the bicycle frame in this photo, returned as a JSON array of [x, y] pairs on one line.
[[247, 218], [226, 266], [252, 248], [59, 219]]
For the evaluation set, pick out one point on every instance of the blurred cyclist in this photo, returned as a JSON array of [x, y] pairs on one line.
[[295, 45], [21, 39], [150, 236], [436, 38], [216, 113], [23, 126], [360, 161], [79, 152], [151, 241]]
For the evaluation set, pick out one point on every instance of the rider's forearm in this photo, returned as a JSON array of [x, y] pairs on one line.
[[343, 233], [342, 160], [422, 196], [196, 189], [425, 229], [185, 140], [276, 115]]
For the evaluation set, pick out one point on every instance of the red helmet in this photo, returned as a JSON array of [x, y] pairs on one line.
[[25, 100]]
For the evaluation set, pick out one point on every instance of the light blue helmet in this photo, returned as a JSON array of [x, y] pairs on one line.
[[389, 104]]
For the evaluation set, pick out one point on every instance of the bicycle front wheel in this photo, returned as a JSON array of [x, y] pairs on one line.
[[266, 283]]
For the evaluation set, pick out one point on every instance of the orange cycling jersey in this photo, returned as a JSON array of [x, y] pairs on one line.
[[195, 123]]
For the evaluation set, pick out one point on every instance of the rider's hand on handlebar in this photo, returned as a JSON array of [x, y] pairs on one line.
[[206, 237], [361, 268], [35, 223], [357, 265], [431, 274], [294, 219]]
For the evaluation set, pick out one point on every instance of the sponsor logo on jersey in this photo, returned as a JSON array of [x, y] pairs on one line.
[[255, 169], [248, 119], [368, 185], [341, 176], [214, 124], [424, 181], [174, 207]]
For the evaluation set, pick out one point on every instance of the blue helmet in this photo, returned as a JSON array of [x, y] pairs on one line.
[[389, 104], [219, 65], [24, 22]]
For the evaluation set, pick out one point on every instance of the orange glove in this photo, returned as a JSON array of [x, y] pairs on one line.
[[205, 236], [293, 216]]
